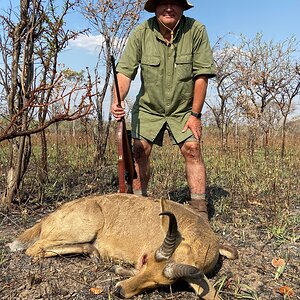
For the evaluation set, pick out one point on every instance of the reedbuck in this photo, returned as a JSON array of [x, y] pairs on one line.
[[163, 240]]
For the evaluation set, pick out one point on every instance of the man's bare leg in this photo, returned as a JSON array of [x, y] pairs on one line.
[[196, 176], [141, 150]]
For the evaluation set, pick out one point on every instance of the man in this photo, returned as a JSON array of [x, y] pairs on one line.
[[175, 58]]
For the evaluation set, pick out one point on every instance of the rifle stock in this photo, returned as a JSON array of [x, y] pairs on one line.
[[126, 170]]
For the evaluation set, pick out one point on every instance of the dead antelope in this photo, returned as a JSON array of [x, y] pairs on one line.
[[164, 240]]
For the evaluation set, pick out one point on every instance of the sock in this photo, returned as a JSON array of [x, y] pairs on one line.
[[198, 197], [142, 192]]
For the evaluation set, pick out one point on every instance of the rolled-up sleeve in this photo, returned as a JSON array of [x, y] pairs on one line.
[[129, 61], [203, 63]]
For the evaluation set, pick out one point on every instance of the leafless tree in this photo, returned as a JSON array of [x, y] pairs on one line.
[[286, 96], [29, 48], [256, 83], [113, 20], [224, 108], [260, 65]]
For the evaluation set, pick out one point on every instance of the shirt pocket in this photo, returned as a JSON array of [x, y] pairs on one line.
[[184, 77], [150, 69], [184, 67]]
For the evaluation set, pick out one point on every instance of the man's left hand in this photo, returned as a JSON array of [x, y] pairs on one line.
[[195, 126]]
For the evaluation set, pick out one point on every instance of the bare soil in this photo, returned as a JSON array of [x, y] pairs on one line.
[[252, 276]]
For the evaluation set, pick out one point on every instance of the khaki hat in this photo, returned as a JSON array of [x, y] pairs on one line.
[[150, 5]]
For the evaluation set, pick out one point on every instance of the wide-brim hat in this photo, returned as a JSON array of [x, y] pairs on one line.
[[150, 5]]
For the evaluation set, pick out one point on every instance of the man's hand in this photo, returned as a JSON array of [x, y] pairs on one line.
[[124, 85], [195, 126], [193, 123], [118, 111]]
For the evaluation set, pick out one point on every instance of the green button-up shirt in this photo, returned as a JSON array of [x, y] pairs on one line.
[[167, 75]]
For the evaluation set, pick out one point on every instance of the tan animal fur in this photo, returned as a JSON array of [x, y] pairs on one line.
[[129, 228]]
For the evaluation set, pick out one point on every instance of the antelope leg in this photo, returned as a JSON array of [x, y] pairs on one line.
[[44, 248]]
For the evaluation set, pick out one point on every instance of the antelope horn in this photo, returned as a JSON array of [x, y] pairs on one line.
[[171, 241], [188, 273]]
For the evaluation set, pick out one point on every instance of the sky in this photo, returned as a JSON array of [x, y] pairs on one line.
[[276, 20]]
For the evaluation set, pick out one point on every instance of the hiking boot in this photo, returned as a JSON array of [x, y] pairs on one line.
[[199, 206]]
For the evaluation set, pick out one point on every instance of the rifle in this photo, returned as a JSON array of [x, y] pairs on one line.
[[126, 170]]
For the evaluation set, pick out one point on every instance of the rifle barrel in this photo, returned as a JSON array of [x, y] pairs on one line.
[[116, 79]]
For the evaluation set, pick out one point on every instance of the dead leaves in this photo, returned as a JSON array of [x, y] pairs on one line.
[[285, 290], [96, 291], [280, 264]]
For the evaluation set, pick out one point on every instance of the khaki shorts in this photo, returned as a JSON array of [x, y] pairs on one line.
[[160, 136]]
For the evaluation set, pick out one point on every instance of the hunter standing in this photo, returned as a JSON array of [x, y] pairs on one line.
[[175, 58]]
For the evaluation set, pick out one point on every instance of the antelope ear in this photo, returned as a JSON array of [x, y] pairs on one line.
[[164, 220]]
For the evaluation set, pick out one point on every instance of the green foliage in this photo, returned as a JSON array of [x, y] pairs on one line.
[[3, 257], [263, 190], [238, 289], [270, 185], [72, 75], [167, 173], [284, 228], [255, 181]]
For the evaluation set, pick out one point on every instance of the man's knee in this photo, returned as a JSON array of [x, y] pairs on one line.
[[191, 150], [141, 149]]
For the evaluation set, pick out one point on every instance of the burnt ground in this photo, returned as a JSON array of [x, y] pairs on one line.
[[252, 276]]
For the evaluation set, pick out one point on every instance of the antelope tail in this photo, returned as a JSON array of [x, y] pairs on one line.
[[25, 239]]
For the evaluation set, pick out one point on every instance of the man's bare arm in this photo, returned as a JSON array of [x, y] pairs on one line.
[[193, 123], [124, 86]]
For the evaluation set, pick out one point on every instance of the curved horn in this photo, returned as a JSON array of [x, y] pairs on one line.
[[171, 241], [190, 274], [187, 272]]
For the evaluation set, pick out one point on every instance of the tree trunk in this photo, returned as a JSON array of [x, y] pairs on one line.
[[283, 137], [237, 134], [266, 143], [251, 141], [43, 166], [20, 154], [57, 150], [14, 174]]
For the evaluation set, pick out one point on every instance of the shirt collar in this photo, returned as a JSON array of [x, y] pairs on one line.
[[154, 25]]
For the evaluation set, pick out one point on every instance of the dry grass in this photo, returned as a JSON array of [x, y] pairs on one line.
[[254, 202]]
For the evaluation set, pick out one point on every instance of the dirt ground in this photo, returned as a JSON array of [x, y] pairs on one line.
[[252, 276]]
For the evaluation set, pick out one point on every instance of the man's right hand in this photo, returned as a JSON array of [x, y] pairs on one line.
[[118, 111]]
